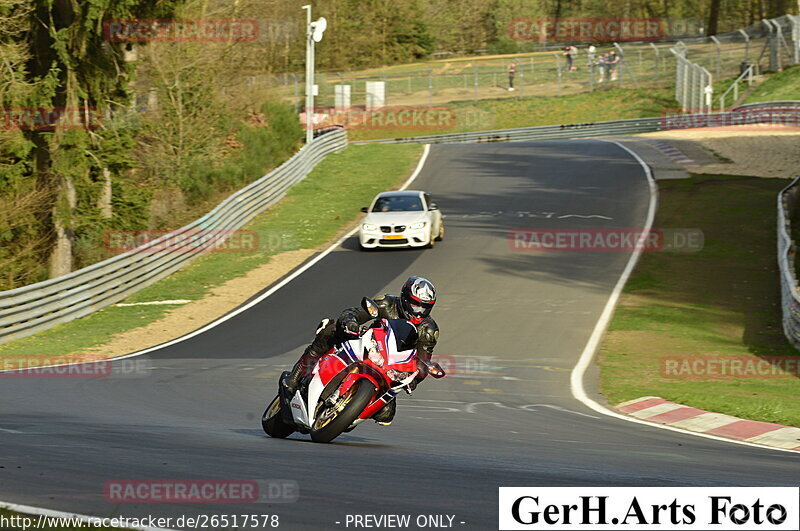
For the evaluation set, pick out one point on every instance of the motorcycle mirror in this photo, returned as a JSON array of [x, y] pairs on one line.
[[370, 306], [434, 369]]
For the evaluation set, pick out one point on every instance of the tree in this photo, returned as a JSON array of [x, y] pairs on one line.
[[713, 18], [79, 71]]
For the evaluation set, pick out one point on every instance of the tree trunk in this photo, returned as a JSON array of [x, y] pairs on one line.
[[63, 212], [713, 18], [104, 200]]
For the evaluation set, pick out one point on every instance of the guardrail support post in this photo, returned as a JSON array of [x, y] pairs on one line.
[[558, 71], [795, 22], [476, 80], [430, 87], [657, 63], [719, 54], [746, 44], [772, 42]]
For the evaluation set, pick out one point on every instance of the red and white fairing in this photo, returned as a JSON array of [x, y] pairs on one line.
[[377, 348]]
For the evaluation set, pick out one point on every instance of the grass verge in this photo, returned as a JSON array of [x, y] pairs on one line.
[[600, 105], [313, 212], [781, 86], [721, 302]]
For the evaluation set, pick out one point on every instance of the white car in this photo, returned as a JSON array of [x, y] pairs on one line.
[[401, 219]]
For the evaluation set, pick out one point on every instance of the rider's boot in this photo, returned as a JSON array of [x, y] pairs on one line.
[[385, 415], [300, 369]]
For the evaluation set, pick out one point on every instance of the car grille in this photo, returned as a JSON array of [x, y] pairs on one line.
[[397, 228], [394, 242]]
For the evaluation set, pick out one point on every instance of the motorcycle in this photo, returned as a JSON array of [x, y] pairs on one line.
[[350, 383]]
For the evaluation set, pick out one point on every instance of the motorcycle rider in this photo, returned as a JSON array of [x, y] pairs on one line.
[[414, 304]]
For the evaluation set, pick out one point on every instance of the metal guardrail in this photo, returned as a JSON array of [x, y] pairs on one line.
[[790, 296], [36, 307], [544, 132], [777, 104], [779, 112]]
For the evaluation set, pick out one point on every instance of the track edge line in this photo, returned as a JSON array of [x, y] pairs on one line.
[[587, 356], [28, 509]]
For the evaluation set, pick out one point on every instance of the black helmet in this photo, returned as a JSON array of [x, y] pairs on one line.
[[417, 299]]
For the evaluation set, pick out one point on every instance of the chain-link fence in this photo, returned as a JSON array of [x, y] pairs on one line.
[[693, 88], [767, 46]]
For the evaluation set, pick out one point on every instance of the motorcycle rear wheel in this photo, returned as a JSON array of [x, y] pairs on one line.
[[273, 424], [327, 429]]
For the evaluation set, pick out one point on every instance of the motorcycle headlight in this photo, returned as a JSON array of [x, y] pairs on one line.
[[368, 226], [397, 376], [419, 225]]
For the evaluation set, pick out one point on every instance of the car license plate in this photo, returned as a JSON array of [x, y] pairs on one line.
[[394, 236]]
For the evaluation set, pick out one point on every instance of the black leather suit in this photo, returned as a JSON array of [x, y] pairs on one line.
[[330, 333]]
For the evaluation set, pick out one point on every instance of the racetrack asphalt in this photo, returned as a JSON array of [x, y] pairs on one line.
[[513, 324]]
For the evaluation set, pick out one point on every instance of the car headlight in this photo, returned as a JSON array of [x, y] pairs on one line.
[[419, 225], [367, 226]]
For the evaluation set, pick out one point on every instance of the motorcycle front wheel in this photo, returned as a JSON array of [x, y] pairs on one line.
[[273, 424], [332, 420]]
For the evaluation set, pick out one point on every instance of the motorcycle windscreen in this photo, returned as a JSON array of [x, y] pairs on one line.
[[405, 334]]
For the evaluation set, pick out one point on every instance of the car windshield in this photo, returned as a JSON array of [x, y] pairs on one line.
[[397, 203]]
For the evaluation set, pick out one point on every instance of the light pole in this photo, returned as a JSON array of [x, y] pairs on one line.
[[314, 31]]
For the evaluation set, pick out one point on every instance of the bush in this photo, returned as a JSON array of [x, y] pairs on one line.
[[271, 137]]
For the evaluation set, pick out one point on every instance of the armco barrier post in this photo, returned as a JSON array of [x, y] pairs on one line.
[[657, 61], [795, 22], [772, 42], [476, 79], [718, 54], [746, 44]]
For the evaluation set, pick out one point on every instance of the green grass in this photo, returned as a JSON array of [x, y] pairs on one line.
[[723, 301], [597, 106], [781, 86], [313, 212]]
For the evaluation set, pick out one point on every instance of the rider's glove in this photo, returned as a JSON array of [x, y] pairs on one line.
[[351, 327]]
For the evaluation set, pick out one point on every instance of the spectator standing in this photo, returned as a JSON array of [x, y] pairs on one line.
[[613, 62], [573, 54], [512, 71], [568, 56], [591, 51], [602, 62]]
